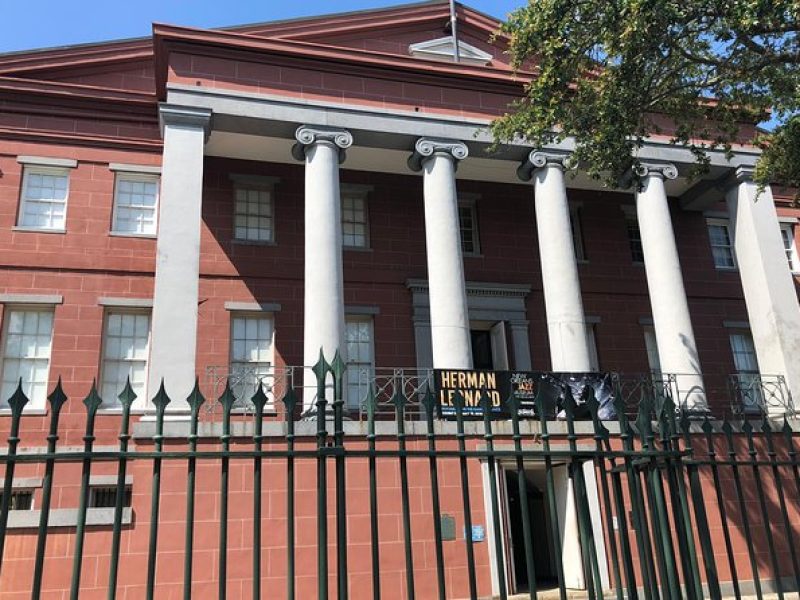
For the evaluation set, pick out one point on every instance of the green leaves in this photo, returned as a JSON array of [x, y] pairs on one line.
[[612, 73]]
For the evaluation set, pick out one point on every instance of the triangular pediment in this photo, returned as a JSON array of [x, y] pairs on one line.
[[443, 49]]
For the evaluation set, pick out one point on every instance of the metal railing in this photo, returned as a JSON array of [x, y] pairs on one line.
[[740, 394], [643, 489]]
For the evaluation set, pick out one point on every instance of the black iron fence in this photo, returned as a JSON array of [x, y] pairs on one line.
[[661, 503]]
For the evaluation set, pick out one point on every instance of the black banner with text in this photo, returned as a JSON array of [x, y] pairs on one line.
[[524, 385]]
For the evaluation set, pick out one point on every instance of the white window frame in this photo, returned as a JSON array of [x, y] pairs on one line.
[[268, 381], [354, 368], [591, 342], [361, 193], [34, 403], [141, 400], [791, 250], [470, 204], [716, 222], [27, 171], [132, 176], [257, 183], [743, 374], [651, 347], [576, 229]]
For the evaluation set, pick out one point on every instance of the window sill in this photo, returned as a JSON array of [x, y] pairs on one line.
[[726, 269], [254, 242], [29, 229], [356, 248], [472, 254], [66, 517], [582, 261], [145, 236], [27, 412]]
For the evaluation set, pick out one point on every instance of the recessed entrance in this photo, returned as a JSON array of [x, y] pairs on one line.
[[541, 535], [547, 540]]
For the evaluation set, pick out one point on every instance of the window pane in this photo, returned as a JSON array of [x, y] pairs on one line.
[[360, 360], [251, 356], [721, 245], [468, 228], [125, 353], [26, 354], [354, 221], [252, 215], [44, 197], [135, 205]]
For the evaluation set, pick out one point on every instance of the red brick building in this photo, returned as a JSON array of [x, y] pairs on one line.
[[224, 203]]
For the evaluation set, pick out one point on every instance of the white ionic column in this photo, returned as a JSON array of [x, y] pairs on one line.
[[322, 149], [566, 326], [173, 342], [677, 348], [769, 291], [450, 337]]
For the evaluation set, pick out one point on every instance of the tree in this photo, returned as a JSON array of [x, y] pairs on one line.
[[610, 73]]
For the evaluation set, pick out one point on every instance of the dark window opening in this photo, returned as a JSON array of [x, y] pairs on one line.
[[106, 496], [481, 349], [20, 500]]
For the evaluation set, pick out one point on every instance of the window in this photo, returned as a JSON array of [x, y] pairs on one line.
[[105, 496], [253, 219], [577, 233], [20, 500], [360, 359], [787, 235], [44, 198], [26, 353], [251, 355], [135, 204], [746, 364], [651, 345], [126, 342], [634, 238], [468, 226], [719, 234], [354, 219], [591, 341]]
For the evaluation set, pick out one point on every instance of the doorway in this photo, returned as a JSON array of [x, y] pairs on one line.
[[541, 535]]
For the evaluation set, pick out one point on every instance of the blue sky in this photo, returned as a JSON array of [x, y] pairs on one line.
[[44, 23]]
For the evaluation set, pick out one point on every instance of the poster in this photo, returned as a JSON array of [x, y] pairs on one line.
[[525, 385]]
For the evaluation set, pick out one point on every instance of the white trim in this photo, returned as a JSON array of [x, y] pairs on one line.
[[793, 258], [143, 169], [123, 175], [125, 302], [726, 223], [355, 310], [253, 307], [783, 220], [442, 49], [49, 170], [31, 299], [45, 161], [737, 324]]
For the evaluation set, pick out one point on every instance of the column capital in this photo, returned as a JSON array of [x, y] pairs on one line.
[[184, 116], [427, 147], [539, 159], [743, 173], [651, 169], [308, 135]]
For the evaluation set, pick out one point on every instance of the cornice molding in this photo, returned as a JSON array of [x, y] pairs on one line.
[[308, 135], [425, 148], [184, 116], [473, 288], [540, 159]]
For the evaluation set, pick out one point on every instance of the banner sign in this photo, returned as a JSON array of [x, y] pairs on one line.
[[524, 385]]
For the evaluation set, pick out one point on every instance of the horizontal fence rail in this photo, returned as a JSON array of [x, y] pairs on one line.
[[221, 503]]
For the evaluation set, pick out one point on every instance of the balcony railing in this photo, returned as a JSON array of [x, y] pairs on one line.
[[736, 395]]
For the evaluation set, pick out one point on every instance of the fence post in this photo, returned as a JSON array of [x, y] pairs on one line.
[[57, 399]]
